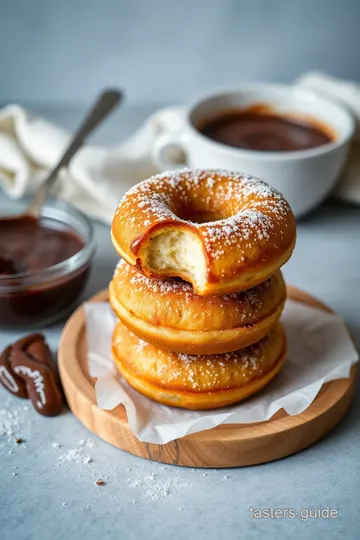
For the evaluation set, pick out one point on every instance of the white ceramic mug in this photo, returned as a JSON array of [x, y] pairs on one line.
[[304, 177]]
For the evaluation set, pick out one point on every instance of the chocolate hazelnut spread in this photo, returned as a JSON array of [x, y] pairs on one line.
[[33, 290], [26, 245], [259, 128]]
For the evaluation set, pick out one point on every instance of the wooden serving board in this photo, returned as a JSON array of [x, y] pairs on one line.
[[232, 445]]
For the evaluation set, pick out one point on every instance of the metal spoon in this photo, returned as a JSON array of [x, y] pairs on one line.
[[105, 103]]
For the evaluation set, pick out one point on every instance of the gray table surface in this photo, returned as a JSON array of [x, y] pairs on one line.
[[47, 484]]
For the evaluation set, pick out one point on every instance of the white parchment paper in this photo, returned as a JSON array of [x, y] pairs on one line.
[[319, 350]]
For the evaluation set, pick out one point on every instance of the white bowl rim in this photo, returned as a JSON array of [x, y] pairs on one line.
[[304, 94]]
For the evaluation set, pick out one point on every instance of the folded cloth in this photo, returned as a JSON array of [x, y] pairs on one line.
[[97, 176], [347, 93]]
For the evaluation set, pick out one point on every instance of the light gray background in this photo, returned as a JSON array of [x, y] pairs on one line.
[[168, 50], [160, 51]]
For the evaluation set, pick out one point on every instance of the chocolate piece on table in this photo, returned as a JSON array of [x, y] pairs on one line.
[[10, 381], [29, 360], [40, 380], [36, 347]]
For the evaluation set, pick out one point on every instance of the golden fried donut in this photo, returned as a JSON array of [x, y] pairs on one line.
[[198, 382], [170, 315], [221, 231]]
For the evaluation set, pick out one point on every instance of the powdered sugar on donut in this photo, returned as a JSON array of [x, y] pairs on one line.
[[258, 205], [245, 302], [217, 228], [158, 286], [209, 372]]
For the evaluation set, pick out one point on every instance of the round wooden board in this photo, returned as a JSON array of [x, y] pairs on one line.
[[232, 445]]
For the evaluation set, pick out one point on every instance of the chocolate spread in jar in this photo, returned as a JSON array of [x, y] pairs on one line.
[[28, 247], [260, 128]]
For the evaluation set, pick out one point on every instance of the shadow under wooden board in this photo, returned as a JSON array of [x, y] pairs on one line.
[[231, 445]]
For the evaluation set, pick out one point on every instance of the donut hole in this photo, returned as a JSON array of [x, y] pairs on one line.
[[202, 209], [177, 252], [201, 217]]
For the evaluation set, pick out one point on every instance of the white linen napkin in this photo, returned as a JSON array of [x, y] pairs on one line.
[[99, 176], [348, 94]]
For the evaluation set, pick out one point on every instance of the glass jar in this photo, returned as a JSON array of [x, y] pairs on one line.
[[40, 297]]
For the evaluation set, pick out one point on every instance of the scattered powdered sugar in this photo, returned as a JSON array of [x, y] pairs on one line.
[[89, 443], [154, 487], [78, 455], [106, 481], [14, 420], [75, 455]]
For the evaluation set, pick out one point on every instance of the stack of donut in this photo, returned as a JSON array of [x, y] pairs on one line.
[[198, 290]]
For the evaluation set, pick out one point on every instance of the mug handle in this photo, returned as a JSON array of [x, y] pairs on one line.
[[169, 152]]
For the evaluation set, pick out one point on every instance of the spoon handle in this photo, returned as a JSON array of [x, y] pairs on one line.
[[105, 103]]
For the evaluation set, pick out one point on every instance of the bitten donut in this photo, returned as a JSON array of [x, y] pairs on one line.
[[170, 315], [198, 382], [221, 231]]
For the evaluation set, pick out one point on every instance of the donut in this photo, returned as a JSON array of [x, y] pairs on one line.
[[221, 231], [169, 314], [197, 381]]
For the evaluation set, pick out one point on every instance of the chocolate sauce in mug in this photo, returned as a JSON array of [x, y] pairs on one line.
[[259, 128]]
